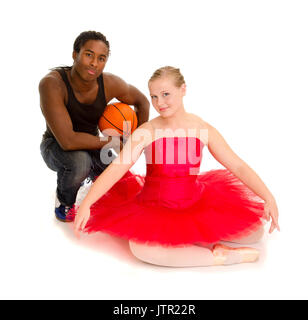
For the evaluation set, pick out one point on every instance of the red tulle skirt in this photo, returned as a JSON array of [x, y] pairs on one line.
[[208, 208]]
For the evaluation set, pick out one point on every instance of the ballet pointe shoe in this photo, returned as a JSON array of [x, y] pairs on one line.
[[224, 255]]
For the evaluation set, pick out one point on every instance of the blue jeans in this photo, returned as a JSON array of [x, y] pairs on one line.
[[72, 168]]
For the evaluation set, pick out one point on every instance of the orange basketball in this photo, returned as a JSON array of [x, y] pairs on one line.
[[118, 119]]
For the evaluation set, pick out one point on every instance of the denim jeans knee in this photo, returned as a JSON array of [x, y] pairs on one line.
[[72, 168]]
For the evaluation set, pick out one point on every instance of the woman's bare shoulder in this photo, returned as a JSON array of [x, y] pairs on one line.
[[153, 123], [144, 131], [201, 123]]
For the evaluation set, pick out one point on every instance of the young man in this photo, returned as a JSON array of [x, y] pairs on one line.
[[72, 101]]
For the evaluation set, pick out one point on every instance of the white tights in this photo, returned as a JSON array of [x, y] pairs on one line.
[[190, 256]]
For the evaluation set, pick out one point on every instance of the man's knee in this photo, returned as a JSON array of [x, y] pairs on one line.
[[80, 164]]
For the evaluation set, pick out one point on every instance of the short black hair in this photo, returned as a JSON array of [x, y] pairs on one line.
[[89, 35]]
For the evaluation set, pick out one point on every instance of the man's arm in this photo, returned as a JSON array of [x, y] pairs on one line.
[[117, 88], [52, 95]]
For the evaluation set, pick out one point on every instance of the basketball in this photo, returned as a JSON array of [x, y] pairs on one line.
[[118, 119]]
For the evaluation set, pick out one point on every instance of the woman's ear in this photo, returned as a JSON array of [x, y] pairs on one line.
[[183, 88]]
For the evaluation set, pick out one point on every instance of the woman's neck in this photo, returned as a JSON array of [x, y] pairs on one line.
[[176, 120]]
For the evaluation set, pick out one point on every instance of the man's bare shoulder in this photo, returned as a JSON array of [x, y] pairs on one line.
[[53, 92], [111, 79], [52, 81], [114, 86]]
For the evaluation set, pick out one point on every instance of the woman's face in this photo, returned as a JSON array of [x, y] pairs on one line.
[[166, 97]]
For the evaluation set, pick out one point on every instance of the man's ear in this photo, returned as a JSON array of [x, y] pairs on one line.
[[74, 55]]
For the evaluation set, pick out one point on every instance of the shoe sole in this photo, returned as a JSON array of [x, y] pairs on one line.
[[62, 220]]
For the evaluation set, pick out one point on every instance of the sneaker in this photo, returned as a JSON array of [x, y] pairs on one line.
[[64, 213], [87, 181]]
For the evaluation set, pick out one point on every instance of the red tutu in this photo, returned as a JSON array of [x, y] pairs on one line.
[[170, 206]]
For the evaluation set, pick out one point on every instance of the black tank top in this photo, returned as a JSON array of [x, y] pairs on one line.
[[84, 116]]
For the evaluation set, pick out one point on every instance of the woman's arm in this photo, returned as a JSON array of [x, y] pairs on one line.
[[222, 152], [114, 172]]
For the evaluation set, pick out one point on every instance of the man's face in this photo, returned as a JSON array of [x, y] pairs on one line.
[[91, 59]]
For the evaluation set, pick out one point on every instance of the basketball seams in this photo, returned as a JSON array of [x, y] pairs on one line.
[[133, 125], [124, 114], [121, 114], [112, 124]]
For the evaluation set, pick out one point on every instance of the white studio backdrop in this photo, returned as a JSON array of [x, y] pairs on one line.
[[245, 64]]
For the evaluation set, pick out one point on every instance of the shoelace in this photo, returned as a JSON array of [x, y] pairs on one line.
[[70, 212], [88, 180]]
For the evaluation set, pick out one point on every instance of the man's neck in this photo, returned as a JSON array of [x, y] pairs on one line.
[[80, 84]]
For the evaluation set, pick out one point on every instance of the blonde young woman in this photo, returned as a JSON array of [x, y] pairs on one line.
[[176, 216]]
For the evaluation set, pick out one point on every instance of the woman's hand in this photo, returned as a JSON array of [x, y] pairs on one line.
[[81, 219], [271, 212]]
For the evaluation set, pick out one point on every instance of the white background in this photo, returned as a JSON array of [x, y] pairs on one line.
[[246, 68]]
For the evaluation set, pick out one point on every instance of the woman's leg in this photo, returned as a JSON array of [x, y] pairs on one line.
[[252, 238], [192, 256]]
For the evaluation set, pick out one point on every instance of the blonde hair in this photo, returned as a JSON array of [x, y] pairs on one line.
[[169, 71]]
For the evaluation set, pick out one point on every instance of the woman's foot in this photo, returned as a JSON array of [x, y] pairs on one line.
[[228, 255]]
